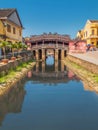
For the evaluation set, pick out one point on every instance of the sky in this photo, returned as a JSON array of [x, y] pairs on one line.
[[61, 16]]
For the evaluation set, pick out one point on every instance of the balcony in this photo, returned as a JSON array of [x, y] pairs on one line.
[[93, 36]]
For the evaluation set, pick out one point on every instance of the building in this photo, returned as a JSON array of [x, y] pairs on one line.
[[77, 46], [90, 32], [10, 26]]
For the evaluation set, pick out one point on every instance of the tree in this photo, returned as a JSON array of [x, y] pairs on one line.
[[3, 46], [13, 46], [19, 47]]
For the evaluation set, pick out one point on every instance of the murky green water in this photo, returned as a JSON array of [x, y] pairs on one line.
[[51, 97]]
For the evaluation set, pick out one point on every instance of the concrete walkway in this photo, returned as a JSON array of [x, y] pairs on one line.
[[90, 56]]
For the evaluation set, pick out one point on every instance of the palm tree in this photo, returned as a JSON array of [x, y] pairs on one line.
[[19, 47], [3, 46], [13, 46]]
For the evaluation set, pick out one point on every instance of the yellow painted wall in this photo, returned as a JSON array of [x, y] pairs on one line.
[[1, 28], [11, 37], [15, 37]]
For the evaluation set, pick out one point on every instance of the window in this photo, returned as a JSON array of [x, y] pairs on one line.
[[14, 30], [93, 32], [8, 28]]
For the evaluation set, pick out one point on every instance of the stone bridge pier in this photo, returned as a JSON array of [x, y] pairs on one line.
[[58, 54]]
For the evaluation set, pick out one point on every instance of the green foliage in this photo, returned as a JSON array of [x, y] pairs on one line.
[[24, 47], [12, 72], [13, 46], [4, 45], [96, 78]]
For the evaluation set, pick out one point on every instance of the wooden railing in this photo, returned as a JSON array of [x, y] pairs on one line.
[[49, 46]]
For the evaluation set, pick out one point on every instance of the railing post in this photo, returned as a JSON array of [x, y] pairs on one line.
[[36, 44], [63, 44], [43, 43]]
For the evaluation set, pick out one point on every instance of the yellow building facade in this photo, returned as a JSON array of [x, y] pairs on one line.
[[10, 26], [90, 32]]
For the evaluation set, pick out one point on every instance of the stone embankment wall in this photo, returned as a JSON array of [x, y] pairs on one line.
[[87, 65], [13, 64], [11, 83]]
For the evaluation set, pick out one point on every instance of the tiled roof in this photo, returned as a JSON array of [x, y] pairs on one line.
[[6, 12], [93, 21]]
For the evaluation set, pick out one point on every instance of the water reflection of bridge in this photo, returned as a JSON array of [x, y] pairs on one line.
[[55, 68], [51, 73]]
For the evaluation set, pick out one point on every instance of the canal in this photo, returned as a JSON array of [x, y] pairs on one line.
[[50, 97]]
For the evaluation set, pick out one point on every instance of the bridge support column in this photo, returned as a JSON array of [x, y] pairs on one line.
[[37, 55], [43, 54], [56, 66], [56, 54], [62, 66], [62, 54], [37, 67], [43, 67]]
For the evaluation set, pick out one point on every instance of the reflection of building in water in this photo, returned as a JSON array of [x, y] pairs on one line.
[[55, 73], [70, 74], [87, 87], [12, 101], [56, 66]]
